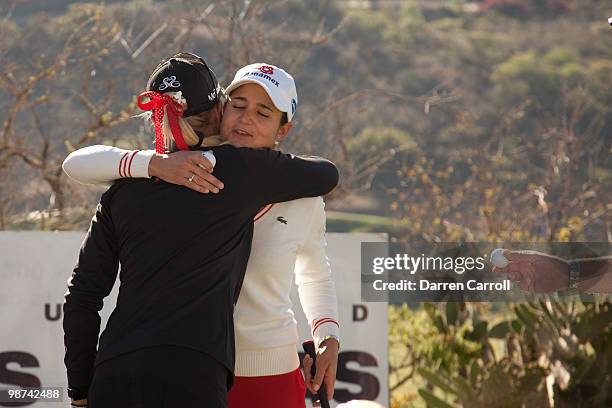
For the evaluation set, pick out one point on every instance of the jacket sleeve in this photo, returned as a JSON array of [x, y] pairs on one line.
[[100, 164], [92, 280], [279, 177], [313, 277]]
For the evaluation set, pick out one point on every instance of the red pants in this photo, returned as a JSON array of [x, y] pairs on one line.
[[272, 391]]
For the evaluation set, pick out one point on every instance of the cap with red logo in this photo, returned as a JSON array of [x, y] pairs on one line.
[[279, 85]]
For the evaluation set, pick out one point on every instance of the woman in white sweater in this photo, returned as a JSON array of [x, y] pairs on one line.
[[288, 242]]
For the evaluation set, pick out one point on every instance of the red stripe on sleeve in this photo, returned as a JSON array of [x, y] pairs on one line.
[[263, 212], [125, 166], [318, 323], [121, 163], [130, 165]]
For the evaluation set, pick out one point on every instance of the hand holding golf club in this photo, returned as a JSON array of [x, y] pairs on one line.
[[310, 360]]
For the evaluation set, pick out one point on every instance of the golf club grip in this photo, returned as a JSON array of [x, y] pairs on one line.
[[309, 349]]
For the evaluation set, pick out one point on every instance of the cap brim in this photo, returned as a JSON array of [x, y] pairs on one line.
[[277, 103]]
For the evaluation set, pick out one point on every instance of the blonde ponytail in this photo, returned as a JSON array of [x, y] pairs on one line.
[[189, 135]]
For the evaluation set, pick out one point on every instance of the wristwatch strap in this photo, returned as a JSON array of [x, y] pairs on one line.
[[331, 336]]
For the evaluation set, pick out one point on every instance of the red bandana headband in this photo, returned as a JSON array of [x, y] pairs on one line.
[[174, 111]]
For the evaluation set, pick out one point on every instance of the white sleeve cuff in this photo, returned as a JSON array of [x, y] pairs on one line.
[[210, 156], [138, 165], [324, 327]]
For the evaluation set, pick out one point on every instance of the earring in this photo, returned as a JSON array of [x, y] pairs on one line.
[[276, 143]]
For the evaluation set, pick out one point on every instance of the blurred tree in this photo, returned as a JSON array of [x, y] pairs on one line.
[[45, 110]]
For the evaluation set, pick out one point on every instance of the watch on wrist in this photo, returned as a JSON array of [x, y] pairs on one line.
[[330, 336], [574, 275]]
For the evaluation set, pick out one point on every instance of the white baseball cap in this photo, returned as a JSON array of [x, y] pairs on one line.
[[277, 82]]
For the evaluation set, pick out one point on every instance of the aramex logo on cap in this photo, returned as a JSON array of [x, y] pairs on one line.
[[265, 76], [266, 69]]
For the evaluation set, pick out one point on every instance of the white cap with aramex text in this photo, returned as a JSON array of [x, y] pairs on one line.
[[279, 85]]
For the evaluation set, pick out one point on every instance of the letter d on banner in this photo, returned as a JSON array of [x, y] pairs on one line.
[[360, 313]]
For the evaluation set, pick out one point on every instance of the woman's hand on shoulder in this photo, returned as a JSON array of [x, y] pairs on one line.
[[186, 168]]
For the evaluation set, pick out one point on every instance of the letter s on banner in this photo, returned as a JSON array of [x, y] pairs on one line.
[[15, 378], [370, 386]]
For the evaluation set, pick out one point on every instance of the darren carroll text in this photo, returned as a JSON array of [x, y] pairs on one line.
[[424, 284]]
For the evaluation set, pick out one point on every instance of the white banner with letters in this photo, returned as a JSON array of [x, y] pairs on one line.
[[35, 266]]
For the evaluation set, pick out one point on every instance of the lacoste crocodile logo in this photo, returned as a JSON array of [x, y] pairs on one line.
[[281, 220]]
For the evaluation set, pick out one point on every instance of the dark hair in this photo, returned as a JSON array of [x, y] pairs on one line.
[[284, 119]]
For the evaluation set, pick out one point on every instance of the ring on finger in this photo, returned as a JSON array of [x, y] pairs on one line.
[[191, 178]]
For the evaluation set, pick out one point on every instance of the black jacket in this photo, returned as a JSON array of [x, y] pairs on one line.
[[183, 256]]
